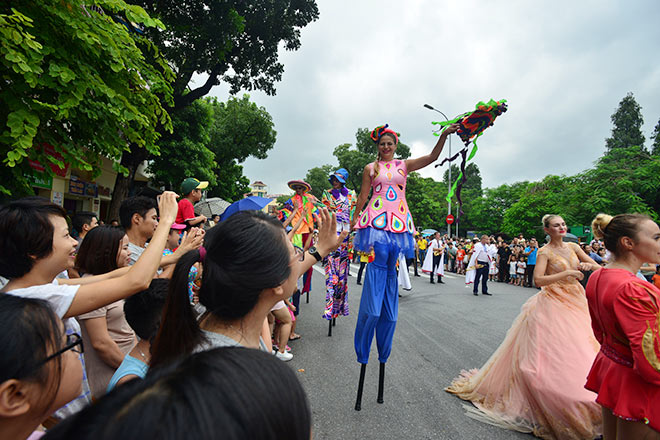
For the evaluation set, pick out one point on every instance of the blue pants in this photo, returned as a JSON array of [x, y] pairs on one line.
[[379, 305], [483, 274]]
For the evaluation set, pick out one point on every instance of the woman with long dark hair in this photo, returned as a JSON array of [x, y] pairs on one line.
[[249, 265], [105, 332], [222, 393]]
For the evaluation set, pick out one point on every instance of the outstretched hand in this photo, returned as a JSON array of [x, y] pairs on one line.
[[191, 240], [453, 128], [328, 240], [167, 207]]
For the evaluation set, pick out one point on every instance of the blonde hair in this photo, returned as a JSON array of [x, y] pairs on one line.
[[547, 218], [612, 229], [599, 224]]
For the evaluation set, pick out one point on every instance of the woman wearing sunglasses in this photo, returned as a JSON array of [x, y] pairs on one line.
[[39, 366]]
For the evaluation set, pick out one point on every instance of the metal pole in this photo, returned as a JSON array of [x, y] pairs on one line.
[[449, 171]]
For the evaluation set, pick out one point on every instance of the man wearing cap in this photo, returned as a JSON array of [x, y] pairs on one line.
[[341, 201], [191, 191]]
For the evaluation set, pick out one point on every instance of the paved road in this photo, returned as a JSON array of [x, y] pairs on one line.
[[441, 330]]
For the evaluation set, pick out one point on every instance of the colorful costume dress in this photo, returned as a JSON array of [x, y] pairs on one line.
[[386, 226], [342, 202], [534, 380], [306, 209], [625, 318]]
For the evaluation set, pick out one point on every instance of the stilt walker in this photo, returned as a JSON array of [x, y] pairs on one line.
[[301, 204], [341, 201], [386, 226]]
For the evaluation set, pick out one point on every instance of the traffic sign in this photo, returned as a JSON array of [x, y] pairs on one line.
[[450, 219]]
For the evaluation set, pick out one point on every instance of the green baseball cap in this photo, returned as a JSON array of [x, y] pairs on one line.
[[191, 183]]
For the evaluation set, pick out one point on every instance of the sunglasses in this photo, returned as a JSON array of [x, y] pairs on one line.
[[74, 342]]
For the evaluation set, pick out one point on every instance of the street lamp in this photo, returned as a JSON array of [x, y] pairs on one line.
[[449, 164]]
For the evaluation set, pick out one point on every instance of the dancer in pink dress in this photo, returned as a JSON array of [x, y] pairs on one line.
[[534, 382]]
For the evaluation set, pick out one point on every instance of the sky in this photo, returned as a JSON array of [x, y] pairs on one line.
[[563, 66]]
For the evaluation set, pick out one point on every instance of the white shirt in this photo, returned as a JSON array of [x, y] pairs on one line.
[[482, 253]]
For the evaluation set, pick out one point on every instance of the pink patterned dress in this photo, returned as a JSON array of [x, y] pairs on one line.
[[386, 218]]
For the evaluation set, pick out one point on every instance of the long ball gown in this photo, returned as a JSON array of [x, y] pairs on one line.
[[534, 382]]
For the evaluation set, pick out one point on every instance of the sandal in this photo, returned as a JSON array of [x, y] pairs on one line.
[[294, 337]]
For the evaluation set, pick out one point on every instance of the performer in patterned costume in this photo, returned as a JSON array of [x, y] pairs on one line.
[[386, 226], [301, 204], [341, 201]]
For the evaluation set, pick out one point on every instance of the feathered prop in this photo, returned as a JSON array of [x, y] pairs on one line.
[[472, 125]]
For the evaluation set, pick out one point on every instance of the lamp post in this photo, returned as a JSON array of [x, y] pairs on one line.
[[449, 175]]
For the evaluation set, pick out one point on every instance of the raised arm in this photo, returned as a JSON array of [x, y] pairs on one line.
[[421, 162], [364, 193], [94, 295]]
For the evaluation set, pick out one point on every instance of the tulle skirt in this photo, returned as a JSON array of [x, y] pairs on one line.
[[534, 382], [365, 239]]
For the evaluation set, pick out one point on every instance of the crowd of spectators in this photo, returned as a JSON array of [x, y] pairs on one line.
[[147, 319]]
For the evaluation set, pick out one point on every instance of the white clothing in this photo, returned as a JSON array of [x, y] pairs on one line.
[[58, 296], [427, 267], [512, 268], [404, 276]]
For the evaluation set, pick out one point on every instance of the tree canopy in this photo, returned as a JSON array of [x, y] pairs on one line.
[[75, 78], [210, 140], [627, 124]]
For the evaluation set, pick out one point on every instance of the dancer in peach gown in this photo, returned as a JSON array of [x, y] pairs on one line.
[[534, 382]]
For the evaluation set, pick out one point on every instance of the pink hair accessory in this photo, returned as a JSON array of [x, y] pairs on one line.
[[202, 254]]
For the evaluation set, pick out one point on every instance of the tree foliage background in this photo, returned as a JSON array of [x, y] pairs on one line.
[[77, 79]]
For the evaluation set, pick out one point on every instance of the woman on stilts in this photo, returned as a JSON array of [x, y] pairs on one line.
[[386, 226], [341, 201]]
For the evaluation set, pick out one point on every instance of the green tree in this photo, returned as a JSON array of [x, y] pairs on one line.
[[317, 177], [74, 78], [232, 41], [426, 201], [185, 153], [627, 121], [240, 129], [655, 140]]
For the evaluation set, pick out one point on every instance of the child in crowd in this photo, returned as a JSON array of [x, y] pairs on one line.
[[656, 277], [521, 266], [513, 265], [460, 259]]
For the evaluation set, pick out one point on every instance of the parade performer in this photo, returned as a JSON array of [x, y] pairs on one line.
[[625, 317], [302, 204], [434, 263], [341, 201], [386, 226], [480, 261], [534, 380]]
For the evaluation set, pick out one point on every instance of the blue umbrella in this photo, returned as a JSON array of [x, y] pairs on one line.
[[252, 203], [428, 231]]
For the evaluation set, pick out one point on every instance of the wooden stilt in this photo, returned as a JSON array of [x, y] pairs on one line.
[[358, 401], [381, 383]]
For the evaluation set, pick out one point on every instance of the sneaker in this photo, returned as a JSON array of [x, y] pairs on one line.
[[285, 357]]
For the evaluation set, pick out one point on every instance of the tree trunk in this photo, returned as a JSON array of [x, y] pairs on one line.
[[131, 160]]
